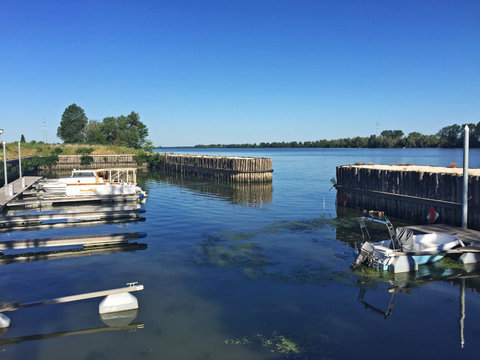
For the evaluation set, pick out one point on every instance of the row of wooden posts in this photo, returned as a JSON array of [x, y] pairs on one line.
[[409, 193], [235, 169]]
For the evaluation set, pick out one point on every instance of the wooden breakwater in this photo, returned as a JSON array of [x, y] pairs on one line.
[[235, 169], [409, 192], [69, 162]]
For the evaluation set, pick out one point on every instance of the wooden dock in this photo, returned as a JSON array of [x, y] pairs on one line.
[[17, 189], [38, 221], [50, 200], [85, 240], [67, 253]]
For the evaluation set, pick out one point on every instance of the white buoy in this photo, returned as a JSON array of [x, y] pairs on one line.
[[469, 258], [118, 302], [119, 319], [4, 321]]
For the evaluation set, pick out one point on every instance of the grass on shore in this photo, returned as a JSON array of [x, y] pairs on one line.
[[41, 149]]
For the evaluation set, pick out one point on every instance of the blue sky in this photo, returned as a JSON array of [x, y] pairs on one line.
[[201, 72]]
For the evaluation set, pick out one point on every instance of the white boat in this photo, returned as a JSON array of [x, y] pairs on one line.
[[404, 251], [95, 182]]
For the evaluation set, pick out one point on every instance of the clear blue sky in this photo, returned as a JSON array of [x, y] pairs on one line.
[[201, 72]]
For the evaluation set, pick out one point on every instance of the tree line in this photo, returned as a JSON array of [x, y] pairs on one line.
[[448, 137], [122, 130]]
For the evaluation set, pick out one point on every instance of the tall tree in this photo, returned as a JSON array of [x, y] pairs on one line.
[[72, 126], [22, 139], [94, 133], [450, 136]]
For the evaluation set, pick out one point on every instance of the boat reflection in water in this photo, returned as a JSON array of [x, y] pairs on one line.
[[465, 277]]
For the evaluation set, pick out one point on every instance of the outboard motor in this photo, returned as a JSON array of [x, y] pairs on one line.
[[366, 252]]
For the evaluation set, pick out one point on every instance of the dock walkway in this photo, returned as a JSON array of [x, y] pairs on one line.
[[466, 235], [17, 189]]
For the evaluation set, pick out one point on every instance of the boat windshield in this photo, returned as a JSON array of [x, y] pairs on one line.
[[83, 174]]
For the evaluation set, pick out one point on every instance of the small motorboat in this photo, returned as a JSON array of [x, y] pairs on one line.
[[94, 182], [404, 251]]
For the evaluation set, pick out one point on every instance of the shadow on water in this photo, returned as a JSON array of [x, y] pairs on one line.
[[246, 194]]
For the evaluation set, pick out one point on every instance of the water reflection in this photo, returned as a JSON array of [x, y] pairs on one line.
[[6, 259], [246, 194], [465, 277], [17, 340]]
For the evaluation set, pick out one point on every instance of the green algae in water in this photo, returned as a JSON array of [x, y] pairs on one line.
[[274, 343]]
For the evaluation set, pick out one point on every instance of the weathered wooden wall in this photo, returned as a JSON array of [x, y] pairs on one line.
[[409, 192], [69, 162], [238, 169]]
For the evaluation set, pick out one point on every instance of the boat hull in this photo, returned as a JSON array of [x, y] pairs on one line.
[[100, 189], [381, 256]]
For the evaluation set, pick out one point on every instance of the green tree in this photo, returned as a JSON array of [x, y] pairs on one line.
[[125, 130], [22, 139], [72, 126], [94, 133], [450, 136]]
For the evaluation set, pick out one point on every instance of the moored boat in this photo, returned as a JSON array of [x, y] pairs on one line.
[[95, 182], [404, 251]]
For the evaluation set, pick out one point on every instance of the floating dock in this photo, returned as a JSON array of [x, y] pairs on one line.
[[17, 189], [85, 241], [235, 169], [51, 200], [409, 192]]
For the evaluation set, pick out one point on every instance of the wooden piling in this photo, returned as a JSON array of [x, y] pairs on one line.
[[409, 192], [230, 169]]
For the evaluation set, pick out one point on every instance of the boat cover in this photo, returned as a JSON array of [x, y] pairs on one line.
[[404, 239]]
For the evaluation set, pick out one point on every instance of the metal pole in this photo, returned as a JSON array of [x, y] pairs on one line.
[[20, 164], [5, 169], [465, 178], [461, 320]]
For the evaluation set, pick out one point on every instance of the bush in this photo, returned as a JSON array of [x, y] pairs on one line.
[[141, 158], [155, 161], [86, 160]]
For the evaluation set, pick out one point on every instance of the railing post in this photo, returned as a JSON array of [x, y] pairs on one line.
[[20, 165], [465, 178], [7, 192]]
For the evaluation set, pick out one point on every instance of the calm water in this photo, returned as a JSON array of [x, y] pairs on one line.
[[246, 272]]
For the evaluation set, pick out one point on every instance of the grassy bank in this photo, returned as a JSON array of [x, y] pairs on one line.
[[40, 149]]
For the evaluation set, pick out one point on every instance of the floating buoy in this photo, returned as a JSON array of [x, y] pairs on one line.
[[118, 302], [4, 321]]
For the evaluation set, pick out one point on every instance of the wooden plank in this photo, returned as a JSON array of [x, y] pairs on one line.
[[86, 240], [132, 287]]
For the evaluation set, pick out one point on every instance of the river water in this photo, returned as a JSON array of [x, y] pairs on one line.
[[247, 272]]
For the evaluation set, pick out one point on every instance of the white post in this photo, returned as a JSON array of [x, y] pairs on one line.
[[5, 170], [20, 165], [465, 178]]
